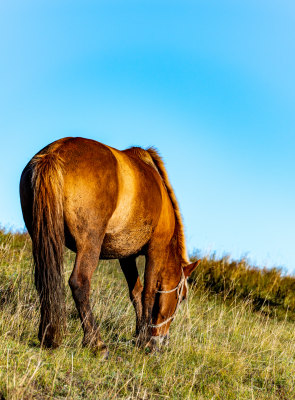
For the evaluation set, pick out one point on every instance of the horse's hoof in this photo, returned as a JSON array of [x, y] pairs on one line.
[[51, 338], [101, 352], [142, 338], [97, 347], [104, 354], [141, 341]]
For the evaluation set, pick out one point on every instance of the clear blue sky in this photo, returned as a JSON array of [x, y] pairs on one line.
[[209, 83]]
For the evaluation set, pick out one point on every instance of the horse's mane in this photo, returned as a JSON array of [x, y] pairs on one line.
[[144, 155], [151, 157]]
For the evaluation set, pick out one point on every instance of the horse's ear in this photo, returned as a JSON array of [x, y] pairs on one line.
[[188, 269]]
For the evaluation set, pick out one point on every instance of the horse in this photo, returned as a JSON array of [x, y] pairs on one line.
[[103, 203]]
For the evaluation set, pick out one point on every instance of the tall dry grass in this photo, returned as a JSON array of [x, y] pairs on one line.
[[217, 350]]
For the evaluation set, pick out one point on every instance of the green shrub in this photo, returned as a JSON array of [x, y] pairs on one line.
[[268, 290]]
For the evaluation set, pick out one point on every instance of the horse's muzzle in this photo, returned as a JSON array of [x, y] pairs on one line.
[[157, 342]]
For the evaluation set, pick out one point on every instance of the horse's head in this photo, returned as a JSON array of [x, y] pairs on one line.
[[166, 305]]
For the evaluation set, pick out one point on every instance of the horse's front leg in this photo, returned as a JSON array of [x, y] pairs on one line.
[[154, 263], [130, 271], [86, 261]]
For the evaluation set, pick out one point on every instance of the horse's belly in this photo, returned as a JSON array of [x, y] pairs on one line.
[[126, 242]]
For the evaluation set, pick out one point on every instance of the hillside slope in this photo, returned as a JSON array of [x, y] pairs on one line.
[[217, 350]]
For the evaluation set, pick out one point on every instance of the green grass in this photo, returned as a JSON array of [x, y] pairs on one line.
[[218, 350]]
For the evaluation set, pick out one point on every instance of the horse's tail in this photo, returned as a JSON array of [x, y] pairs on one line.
[[48, 244]]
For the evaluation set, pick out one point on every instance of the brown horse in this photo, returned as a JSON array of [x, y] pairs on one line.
[[104, 203]]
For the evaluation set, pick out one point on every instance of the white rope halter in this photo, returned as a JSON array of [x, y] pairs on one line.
[[179, 288]]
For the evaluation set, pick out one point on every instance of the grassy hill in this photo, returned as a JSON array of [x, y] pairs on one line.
[[240, 348]]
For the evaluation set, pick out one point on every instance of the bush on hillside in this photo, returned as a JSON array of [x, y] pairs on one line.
[[268, 289]]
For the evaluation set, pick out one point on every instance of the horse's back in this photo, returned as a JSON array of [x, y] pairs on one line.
[[110, 191], [109, 195]]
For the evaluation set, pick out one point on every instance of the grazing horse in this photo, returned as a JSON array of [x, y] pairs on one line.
[[103, 203]]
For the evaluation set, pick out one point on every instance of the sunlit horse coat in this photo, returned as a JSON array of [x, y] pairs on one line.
[[103, 203]]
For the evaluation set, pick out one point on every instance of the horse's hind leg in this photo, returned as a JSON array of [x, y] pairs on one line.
[[86, 261], [130, 271]]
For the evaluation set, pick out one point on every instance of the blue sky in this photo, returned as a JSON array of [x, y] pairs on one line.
[[209, 83]]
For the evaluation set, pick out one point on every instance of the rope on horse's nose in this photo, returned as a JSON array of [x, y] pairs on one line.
[[179, 288]]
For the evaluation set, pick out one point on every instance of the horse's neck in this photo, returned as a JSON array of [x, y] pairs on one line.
[[174, 259]]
